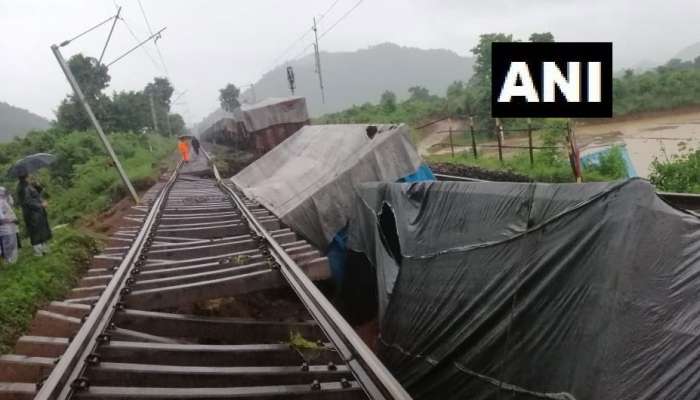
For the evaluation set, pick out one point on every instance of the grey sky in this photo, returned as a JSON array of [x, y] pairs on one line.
[[209, 43]]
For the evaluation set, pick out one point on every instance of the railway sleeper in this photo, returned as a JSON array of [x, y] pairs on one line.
[[221, 330]]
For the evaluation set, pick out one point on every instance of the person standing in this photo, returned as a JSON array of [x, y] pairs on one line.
[[184, 149], [34, 213], [8, 227], [195, 145]]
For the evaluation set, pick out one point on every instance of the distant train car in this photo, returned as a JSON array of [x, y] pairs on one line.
[[259, 127]]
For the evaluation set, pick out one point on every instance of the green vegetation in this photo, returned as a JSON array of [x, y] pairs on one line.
[[32, 282], [228, 97], [673, 85], [83, 180], [418, 107], [81, 184], [681, 174], [123, 111]]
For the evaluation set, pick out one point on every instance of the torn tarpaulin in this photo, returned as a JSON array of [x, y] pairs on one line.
[[527, 291]]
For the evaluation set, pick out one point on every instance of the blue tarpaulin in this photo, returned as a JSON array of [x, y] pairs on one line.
[[337, 249], [594, 159]]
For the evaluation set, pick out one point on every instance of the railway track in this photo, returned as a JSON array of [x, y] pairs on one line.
[[129, 331]]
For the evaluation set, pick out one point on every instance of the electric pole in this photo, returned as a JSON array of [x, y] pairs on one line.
[[81, 97], [318, 62], [153, 113], [290, 78]]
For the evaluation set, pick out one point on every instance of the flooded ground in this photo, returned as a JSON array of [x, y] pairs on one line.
[[661, 136], [647, 138]]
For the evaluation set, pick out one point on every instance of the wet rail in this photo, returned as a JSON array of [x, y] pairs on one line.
[[134, 329]]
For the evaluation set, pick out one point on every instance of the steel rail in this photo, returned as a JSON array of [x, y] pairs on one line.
[[65, 375], [372, 375]]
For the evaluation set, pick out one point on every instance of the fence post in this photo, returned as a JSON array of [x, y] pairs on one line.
[[529, 139], [471, 128], [452, 147], [499, 132]]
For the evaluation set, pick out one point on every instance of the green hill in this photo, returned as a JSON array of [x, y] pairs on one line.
[[16, 121]]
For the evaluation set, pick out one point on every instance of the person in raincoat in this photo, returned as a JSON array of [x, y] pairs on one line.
[[34, 213], [195, 145], [184, 149], [8, 227]]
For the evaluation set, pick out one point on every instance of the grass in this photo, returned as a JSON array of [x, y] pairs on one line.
[[80, 185], [33, 281], [549, 166]]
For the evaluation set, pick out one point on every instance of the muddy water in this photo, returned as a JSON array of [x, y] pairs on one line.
[[647, 139]]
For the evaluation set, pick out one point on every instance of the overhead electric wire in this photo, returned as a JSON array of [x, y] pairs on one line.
[[65, 42], [322, 16], [137, 46], [131, 32], [341, 18], [155, 42], [324, 33], [302, 36]]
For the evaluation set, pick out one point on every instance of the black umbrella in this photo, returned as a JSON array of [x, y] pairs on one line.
[[31, 163]]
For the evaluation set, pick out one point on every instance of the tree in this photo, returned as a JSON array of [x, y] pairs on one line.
[[482, 57], [91, 75], [177, 124], [228, 97], [92, 78], [161, 90], [545, 37], [456, 98], [130, 111], [418, 93], [388, 101]]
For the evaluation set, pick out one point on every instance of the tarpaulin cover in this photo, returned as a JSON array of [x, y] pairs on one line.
[[528, 291], [309, 180], [272, 111]]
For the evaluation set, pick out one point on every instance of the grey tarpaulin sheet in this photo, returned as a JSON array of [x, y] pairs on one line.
[[309, 180], [272, 111], [528, 291]]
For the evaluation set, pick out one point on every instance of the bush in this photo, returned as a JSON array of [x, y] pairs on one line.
[[681, 174], [611, 166], [32, 281], [83, 179]]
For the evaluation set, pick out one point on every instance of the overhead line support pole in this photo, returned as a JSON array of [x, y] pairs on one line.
[[111, 30], [318, 62], [81, 97]]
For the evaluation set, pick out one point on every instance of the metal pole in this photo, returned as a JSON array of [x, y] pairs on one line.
[[153, 114], [81, 97], [452, 147], [529, 138], [116, 18], [318, 63], [252, 89], [471, 128], [499, 132], [167, 122]]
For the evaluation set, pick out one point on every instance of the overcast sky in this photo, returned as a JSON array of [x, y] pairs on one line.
[[209, 43]]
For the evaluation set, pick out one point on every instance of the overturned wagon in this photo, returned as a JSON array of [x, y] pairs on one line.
[[261, 126]]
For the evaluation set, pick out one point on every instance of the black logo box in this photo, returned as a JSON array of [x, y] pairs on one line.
[[534, 54]]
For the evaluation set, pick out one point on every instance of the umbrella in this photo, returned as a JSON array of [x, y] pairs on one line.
[[31, 163]]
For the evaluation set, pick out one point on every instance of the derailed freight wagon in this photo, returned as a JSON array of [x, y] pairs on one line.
[[525, 291], [271, 121], [259, 127]]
